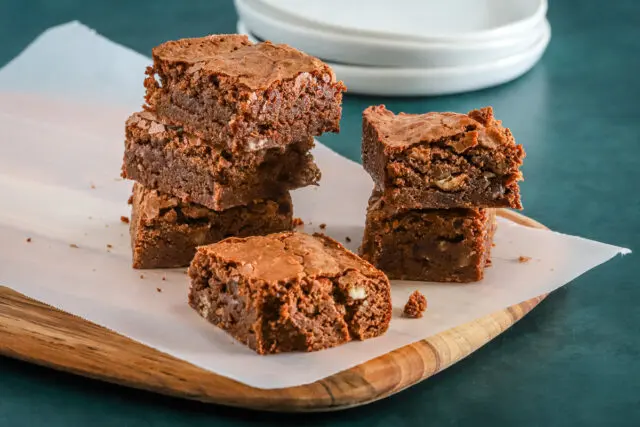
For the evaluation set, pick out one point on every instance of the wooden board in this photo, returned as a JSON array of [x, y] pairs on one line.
[[35, 332]]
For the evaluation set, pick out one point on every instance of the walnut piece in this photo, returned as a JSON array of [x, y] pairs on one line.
[[156, 128], [357, 292], [451, 183]]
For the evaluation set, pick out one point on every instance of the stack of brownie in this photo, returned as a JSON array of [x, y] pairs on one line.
[[438, 179], [224, 136]]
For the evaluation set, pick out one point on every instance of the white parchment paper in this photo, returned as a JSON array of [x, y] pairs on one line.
[[63, 104]]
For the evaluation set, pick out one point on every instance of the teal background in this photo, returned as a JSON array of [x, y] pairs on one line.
[[575, 360]]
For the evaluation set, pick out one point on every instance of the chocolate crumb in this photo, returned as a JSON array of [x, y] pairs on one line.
[[164, 277], [323, 226], [124, 219], [130, 200], [73, 245], [347, 239], [142, 276], [158, 290], [415, 306], [28, 239], [523, 259], [109, 246], [297, 222]]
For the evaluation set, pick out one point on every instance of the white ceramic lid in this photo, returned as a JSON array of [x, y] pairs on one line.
[[414, 19]]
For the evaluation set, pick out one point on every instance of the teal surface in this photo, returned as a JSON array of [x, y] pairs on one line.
[[575, 360]]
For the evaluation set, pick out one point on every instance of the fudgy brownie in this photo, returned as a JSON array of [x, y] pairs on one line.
[[437, 245], [166, 231], [166, 158], [244, 95], [289, 292], [442, 160]]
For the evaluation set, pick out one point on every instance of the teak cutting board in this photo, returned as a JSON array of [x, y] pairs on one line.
[[37, 333]]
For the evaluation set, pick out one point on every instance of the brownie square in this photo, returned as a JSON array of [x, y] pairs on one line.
[[165, 231], [246, 96], [436, 245], [442, 160], [289, 292], [166, 158]]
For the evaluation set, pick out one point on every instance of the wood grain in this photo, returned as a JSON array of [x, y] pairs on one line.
[[35, 332]]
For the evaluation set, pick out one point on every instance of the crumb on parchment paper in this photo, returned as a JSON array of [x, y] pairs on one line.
[[297, 222], [347, 239], [142, 276], [130, 200], [522, 259], [124, 219], [323, 226], [415, 306], [158, 290], [73, 245], [28, 239]]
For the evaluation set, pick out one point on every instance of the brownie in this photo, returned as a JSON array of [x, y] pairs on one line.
[[437, 245], [416, 305], [166, 158], [442, 160], [244, 95], [289, 292], [166, 231]]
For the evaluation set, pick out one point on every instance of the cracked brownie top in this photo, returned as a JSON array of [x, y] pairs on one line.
[[289, 256], [255, 66], [401, 131]]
